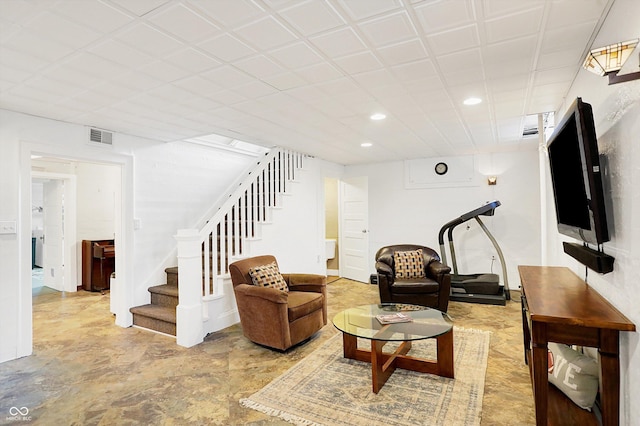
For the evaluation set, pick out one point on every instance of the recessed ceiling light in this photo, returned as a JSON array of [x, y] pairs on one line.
[[366, 144], [472, 101], [378, 116]]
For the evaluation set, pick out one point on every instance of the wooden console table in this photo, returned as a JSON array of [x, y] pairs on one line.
[[557, 306]]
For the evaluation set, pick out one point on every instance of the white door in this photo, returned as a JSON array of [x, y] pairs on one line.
[[53, 242], [354, 229]]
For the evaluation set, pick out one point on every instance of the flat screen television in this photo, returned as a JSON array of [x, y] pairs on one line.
[[576, 176]]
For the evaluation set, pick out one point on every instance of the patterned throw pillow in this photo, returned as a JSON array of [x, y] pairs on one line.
[[409, 264], [268, 276]]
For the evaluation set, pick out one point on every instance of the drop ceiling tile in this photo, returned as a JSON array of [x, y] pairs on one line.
[[358, 63], [559, 59], [507, 68], [164, 71], [40, 47], [463, 77], [311, 17], [467, 60], [254, 89], [12, 76], [75, 76], [184, 23], [339, 43], [7, 30], [259, 66], [32, 93], [407, 51], [454, 40], [319, 73], [96, 66], [521, 48], [62, 30], [437, 16], [229, 13], [227, 48], [171, 93], [556, 75], [19, 10], [227, 97], [18, 60], [497, 8], [564, 14], [296, 55], [55, 87], [414, 70], [100, 16], [121, 53], [285, 81], [266, 33], [389, 29], [140, 7], [500, 84], [514, 26], [227, 76], [364, 9], [149, 40], [192, 60], [570, 37], [199, 85]]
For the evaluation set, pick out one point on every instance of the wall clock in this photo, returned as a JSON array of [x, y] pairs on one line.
[[441, 168]]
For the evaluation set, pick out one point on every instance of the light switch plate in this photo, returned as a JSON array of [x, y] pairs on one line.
[[8, 227]]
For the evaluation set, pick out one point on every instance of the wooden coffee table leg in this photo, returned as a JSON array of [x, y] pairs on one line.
[[379, 374], [445, 354]]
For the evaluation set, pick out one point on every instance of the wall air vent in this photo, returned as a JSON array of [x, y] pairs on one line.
[[101, 137]]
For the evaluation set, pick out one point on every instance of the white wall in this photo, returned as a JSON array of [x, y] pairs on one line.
[[616, 111], [167, 186], [398, 215]]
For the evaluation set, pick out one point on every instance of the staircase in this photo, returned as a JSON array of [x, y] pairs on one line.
[[160, 314], [225, 237]]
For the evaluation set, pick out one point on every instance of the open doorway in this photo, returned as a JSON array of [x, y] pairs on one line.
[[74, 201]]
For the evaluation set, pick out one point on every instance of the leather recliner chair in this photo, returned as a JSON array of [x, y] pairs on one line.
[[275, 318], [432, 290]]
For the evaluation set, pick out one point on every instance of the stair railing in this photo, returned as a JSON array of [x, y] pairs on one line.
[[204, 255]]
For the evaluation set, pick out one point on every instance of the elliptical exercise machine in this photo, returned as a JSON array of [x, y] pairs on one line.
[[481, 288]]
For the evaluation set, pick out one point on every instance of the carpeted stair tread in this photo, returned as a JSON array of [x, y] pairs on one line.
[[166, 289], [162, 313]]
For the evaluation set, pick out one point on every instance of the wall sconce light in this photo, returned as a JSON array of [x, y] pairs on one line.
[[492, 180], [610, 59]]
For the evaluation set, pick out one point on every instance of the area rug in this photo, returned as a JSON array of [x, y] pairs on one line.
[[327, 389]]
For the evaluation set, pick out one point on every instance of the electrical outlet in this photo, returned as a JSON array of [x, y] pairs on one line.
[[8, 227]]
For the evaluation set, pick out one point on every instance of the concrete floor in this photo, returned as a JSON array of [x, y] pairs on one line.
[[87, 371]]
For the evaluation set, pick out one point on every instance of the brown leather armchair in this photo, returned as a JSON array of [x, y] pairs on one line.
[[432, 290], [275, 318]]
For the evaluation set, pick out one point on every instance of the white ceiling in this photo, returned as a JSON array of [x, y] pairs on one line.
[[305, 75]]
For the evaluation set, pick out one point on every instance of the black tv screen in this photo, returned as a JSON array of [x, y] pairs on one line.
[[576, 176]]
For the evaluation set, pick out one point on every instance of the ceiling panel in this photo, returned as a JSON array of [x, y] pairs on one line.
[[304, 74]]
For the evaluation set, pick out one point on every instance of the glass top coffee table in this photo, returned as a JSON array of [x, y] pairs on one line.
[[420, 323]]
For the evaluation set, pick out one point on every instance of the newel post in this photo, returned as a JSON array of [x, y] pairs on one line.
[[189, 311]]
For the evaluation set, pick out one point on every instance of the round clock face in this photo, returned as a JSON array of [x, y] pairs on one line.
[[441, 168]]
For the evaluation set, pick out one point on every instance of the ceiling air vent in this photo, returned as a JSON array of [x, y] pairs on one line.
[[101, 137]]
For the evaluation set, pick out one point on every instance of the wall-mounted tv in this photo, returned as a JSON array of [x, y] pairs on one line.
[[576, 176]]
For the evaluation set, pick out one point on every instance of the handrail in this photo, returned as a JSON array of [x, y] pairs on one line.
[[204, 255]]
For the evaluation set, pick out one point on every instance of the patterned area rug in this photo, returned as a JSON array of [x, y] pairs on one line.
[[327, 389]]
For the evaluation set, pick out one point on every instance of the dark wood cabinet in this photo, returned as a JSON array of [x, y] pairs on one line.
[[98, 262], [557, 306]]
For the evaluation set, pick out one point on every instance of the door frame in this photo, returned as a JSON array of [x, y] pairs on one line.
[[70, 283], [123, 297]]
